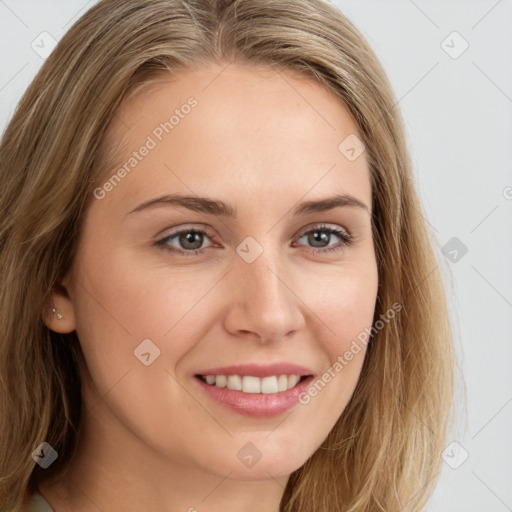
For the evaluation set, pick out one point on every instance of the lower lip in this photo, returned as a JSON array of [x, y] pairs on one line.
[[256, 404]]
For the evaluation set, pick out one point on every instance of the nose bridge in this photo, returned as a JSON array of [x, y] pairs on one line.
[[263, 302], [264, 277]]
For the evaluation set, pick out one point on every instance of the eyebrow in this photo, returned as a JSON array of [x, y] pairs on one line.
[[217, 207]]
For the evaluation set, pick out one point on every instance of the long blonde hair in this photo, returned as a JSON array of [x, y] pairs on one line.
[[384, 453]]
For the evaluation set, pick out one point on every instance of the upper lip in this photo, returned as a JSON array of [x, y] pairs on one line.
[[258, 370]]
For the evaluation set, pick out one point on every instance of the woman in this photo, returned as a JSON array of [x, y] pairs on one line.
[[298, 355]]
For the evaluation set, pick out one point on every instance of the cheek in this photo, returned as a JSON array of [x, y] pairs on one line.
[[125, 303], [118, 305], [345, 305], [133, 299]]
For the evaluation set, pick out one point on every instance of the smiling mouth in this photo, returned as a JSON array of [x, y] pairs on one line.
[[254, 385]]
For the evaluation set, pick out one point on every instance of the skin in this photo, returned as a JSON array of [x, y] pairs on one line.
[[261, 141]]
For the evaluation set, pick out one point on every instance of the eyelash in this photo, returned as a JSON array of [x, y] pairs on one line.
[[346, 240]]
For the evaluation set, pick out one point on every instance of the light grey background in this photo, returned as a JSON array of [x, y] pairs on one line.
[[458, 114]]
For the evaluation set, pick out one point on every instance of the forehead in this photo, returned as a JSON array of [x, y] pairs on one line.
[[252, 127]]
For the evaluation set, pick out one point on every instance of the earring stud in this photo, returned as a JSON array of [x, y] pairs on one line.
[[58, 314]]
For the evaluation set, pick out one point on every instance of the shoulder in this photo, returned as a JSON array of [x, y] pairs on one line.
[[38, 504]]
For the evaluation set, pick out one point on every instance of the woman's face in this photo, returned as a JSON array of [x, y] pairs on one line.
[[261, 281]]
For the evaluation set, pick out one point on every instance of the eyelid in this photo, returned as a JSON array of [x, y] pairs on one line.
[[299, 234], [186, 227], [319, 226], [161, 240], [346, 238]]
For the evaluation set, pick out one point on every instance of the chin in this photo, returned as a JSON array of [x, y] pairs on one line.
[[251, 463]]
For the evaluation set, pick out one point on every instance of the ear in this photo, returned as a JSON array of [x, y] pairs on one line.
[[59, 315]]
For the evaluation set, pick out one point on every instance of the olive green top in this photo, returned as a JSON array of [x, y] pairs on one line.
[[38, 504]]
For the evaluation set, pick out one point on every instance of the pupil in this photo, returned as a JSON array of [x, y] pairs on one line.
[[317, 236], [191, 237]]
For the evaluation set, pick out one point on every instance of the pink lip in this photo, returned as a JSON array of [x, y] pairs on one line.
[[255, 404], [258, 370]]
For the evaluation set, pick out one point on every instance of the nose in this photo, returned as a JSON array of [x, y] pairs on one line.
[[263, 303]]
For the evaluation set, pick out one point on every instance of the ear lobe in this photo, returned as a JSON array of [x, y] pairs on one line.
[[59, 315]]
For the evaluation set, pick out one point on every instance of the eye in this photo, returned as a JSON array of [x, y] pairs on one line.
[[191, 240], [322, 235]]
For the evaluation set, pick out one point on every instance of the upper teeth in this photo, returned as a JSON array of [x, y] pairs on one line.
[[250, 384]]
